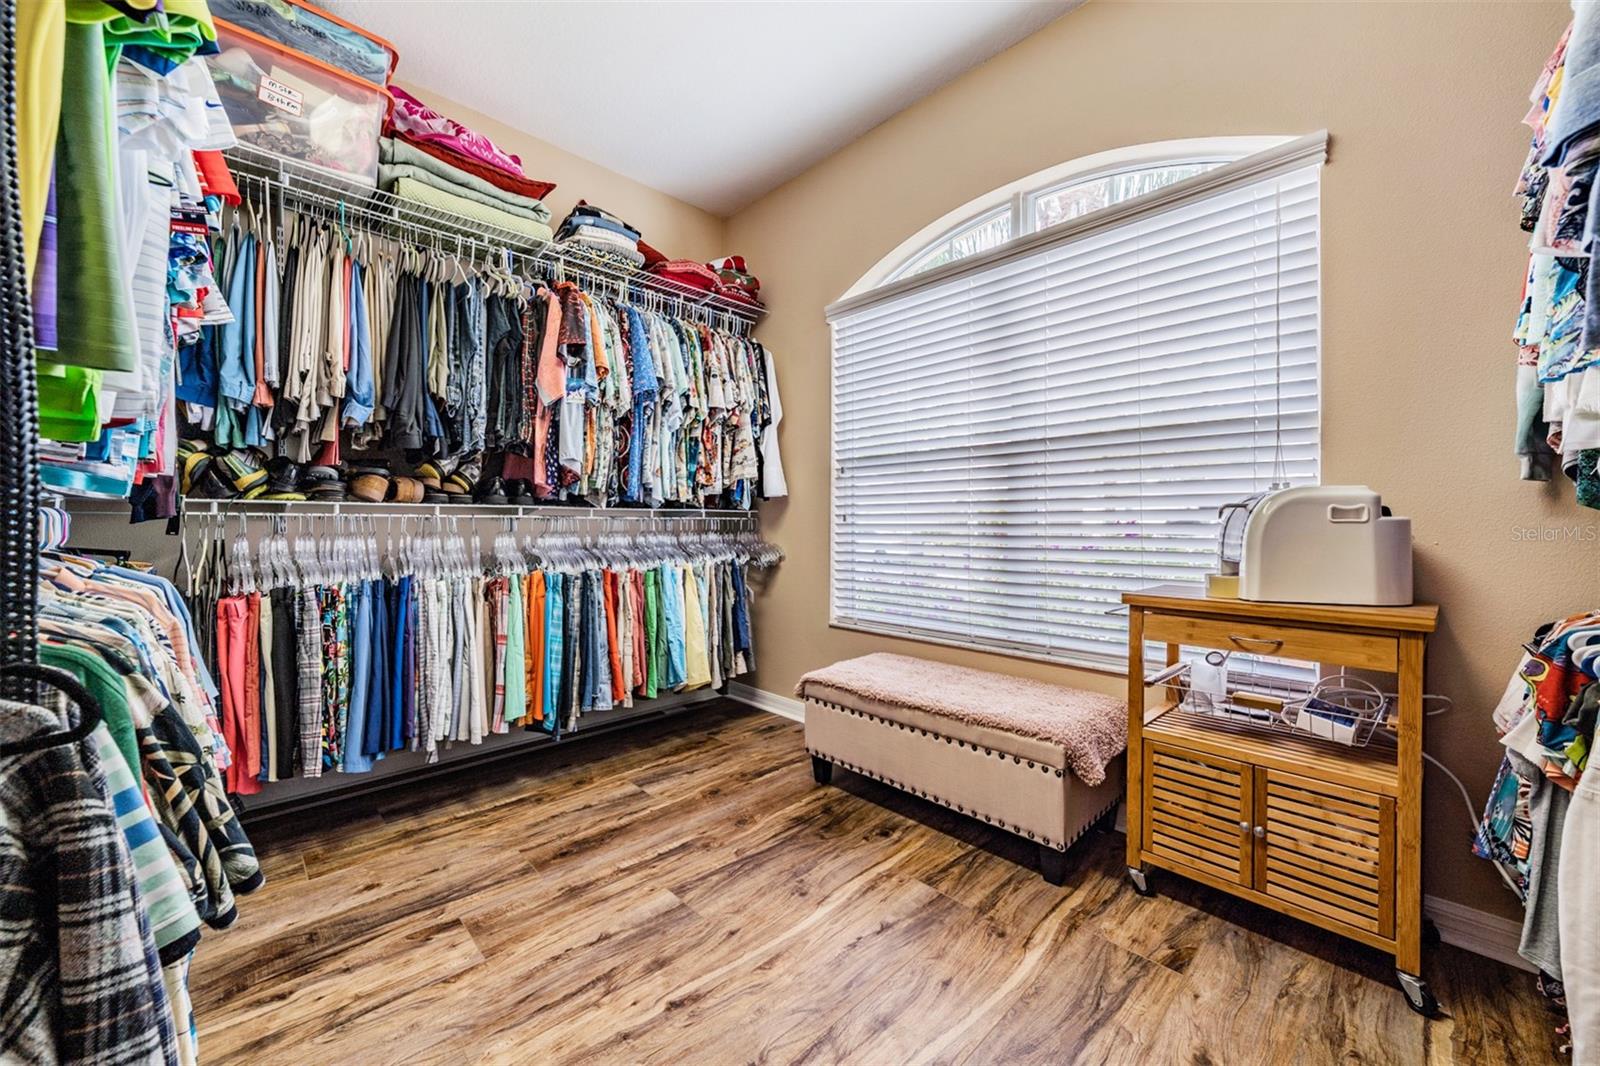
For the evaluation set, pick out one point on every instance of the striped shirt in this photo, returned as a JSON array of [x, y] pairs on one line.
[[173, 921]]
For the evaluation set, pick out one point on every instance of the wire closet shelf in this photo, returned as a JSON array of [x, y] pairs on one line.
[[1342, 708], [673, 517], [276, 182]]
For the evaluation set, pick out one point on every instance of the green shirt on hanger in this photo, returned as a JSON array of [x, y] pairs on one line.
[[96, 324], [106, 686]]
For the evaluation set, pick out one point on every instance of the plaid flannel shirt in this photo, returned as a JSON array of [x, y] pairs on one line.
[[80, 980]]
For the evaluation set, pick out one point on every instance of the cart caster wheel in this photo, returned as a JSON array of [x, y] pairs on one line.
[[1140, 883], [1419, 997]]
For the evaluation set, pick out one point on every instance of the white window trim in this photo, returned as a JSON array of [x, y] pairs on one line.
[[1021, 193]]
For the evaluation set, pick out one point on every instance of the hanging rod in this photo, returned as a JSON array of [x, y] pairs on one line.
[[293, 183], [322, 508]]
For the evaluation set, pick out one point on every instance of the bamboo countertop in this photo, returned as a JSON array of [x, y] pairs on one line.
[[1192, 599]]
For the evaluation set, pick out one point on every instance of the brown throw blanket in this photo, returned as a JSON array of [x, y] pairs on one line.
[[1093, 728]]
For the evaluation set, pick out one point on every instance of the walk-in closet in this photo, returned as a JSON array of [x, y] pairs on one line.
[[899, 532]]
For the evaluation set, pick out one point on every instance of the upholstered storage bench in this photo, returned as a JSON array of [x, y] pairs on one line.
[[1043, 761]]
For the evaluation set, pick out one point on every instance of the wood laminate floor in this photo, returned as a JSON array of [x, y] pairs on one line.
[[683, 893]]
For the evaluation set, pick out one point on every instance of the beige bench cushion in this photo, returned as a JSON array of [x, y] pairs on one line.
[[1033, 720], [1032, 749]]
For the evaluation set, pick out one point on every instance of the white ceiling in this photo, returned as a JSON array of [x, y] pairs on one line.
[[714, 103]]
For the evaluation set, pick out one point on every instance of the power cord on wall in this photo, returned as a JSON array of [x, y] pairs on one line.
[[1466, 797]]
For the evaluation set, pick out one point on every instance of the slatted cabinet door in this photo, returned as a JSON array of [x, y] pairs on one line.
[[1327, 849], [1197, 810]]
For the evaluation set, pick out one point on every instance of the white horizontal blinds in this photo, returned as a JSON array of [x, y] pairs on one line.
[[1016, 446]]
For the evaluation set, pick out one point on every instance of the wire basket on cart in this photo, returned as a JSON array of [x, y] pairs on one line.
[[1339, 707]]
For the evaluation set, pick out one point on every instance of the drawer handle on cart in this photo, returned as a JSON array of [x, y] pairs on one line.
[[1246, 642], [1261, 830]]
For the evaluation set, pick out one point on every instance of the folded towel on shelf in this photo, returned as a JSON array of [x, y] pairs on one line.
[[422, 123], [393, 153], [532, 210], [651, 255], [430, 196], [686, 272], [529, 187]]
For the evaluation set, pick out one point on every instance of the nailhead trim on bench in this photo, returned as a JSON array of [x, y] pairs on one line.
[[958, 808], [929, 733], [864, 772]]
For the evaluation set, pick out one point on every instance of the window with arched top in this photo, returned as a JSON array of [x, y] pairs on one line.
[[1045, 207], [1041, 398], [1083, 195]]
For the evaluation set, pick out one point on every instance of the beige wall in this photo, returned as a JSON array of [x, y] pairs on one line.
[[1422, 262], [677, 229]]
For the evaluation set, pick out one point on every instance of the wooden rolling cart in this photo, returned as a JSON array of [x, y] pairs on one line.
[[1309, 827]]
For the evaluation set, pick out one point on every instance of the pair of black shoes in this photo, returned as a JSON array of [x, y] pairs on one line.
[[324, 484], [497, 491]]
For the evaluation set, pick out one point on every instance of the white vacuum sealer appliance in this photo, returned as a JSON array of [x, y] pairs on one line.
[[1325, 544]]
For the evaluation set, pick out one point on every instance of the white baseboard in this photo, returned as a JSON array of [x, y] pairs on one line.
[[771, 702], [1477, 931], [1464, 927]]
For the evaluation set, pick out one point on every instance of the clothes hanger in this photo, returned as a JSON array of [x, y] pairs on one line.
[[89, 713], [344, 231], [273, 557]]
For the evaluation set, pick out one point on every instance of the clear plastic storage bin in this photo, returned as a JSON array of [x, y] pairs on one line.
[[323, 36], [293, 105]]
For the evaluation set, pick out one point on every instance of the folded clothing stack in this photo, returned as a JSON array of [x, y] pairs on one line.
[[686, 272], [727, 277], [735, 281], [601, 235], [437, 162]]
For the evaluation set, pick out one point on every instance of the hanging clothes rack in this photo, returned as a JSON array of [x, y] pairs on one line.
[[464, 590], [281, 184]]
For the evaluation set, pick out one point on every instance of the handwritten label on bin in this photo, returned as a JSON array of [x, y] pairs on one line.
[[281, 96]]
